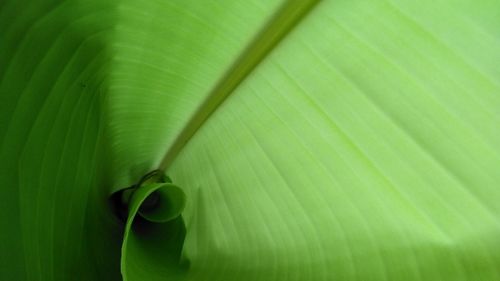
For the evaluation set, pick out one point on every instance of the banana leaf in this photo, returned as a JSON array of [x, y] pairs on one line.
[[303, 140]]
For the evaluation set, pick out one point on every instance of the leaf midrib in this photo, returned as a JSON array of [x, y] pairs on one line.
[[283, 21]]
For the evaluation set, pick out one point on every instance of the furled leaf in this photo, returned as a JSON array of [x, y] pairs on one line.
[[154, 236]]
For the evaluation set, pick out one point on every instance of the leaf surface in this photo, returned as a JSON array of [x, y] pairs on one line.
[[362, 145]]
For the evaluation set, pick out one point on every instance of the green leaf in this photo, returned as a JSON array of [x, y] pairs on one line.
[[348, 140], [91, 92], [365, 147], [152, 242]]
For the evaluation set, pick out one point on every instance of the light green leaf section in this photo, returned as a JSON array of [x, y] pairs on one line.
[[365, 147]]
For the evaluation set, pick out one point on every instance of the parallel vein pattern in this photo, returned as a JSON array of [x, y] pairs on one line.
[[365, 147], [91, 94]]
